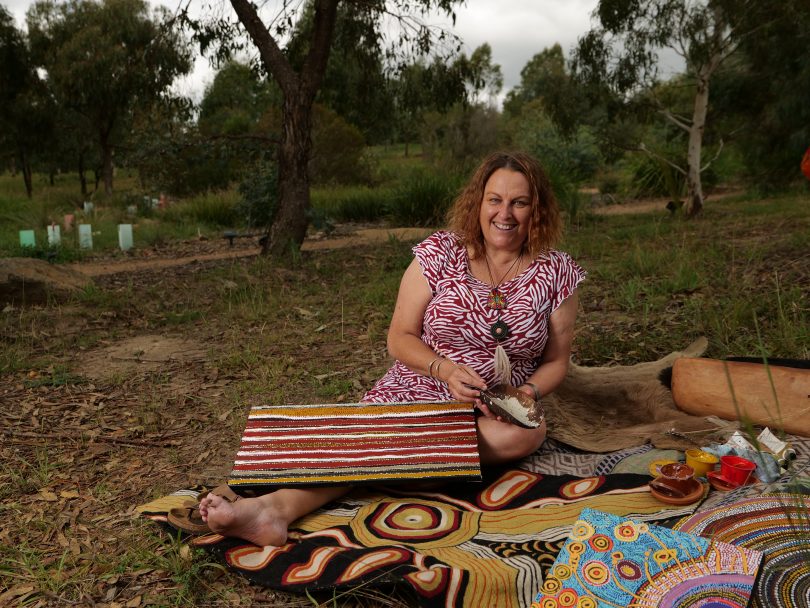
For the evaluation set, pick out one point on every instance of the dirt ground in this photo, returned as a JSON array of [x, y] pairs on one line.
[[141, 387]]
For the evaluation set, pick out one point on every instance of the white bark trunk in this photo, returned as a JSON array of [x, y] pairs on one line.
[[694, 187]]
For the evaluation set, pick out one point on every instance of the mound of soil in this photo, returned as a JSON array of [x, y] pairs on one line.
[[30, 281]]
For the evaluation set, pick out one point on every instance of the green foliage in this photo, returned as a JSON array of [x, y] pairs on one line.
[[354, 85], [767, 92], [187, 165], [577, 157], [354, 203], [236, 100], [259, 191], [103, 60], [645, 176], [423, 198], [213, 208], [568, 161], [26, 108], [338, 156], [459, 138]]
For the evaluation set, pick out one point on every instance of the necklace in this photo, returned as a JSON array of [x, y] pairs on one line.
[[497, 300]]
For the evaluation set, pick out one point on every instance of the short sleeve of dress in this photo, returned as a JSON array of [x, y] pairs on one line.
[[568, 275], [434, 254]]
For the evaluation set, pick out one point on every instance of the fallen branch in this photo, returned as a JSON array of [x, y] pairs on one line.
[[98, 438]]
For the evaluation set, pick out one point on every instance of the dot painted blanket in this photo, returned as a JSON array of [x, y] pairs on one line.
[[610, 561]]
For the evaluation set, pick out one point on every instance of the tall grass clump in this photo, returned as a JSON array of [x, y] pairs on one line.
[[216, 208], [354, 203], [422, 199]]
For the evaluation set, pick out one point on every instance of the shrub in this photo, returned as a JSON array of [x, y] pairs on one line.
[[212, 209], [259, 191], [354, 204], [423, 198]]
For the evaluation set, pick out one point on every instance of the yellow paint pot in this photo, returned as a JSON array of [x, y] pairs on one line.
[[702, 462]]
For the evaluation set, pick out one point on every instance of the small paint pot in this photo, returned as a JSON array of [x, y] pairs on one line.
[[702, 462], [677, 477], [736, 469], [677, 471]]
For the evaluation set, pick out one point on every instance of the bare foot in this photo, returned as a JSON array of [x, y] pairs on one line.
[[247, 518]]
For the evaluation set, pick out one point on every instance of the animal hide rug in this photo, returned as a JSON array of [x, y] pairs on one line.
[[601, 409]]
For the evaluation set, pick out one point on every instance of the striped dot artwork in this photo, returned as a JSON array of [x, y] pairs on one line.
[[355, 443], [777, 525]]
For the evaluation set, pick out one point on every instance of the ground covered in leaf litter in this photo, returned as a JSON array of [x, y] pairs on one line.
[[141, 385]]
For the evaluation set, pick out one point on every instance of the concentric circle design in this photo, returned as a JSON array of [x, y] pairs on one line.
[[418, 524], [562, 571], [582, 530], [576, 548], [662, 556], [626, 531], [551, 585], [628, 570], [778, 525], [567, 598], [601, 543], [586, 602], [595, 573]]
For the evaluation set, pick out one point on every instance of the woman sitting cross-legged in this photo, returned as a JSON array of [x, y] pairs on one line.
[[493, 280]]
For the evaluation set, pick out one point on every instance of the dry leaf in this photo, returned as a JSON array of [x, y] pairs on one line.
[[15, 591], [68, 494], [47, 495]]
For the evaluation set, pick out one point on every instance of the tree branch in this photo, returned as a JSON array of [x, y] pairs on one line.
[[714, 158], [269, 50], [643, 148], [675, 120], [322, 34]]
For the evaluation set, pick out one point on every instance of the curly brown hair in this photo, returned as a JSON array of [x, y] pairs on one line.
[[545, 225]]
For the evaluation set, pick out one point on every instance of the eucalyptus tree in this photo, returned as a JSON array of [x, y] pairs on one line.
[[622, 52], [25, 106], [105, 59], [766, 100], [301, 79]]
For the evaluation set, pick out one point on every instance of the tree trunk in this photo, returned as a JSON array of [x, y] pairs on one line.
[[694, 187], [289, 225], [107, 164], [82, 176], [25, 166]]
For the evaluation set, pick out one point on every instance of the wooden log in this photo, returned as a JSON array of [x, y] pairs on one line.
[[703, 387]]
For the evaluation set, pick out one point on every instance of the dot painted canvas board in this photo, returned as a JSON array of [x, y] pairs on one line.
[[611, 561], [357, 443]]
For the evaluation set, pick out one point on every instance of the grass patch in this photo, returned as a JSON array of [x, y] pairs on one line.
[[312, 330]]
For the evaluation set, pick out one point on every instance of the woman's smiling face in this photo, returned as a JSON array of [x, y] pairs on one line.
[[506, 210]]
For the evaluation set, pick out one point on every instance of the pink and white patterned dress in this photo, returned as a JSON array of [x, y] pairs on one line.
[[457, 320]]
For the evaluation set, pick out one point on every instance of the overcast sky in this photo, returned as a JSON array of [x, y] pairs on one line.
[[516, 31]]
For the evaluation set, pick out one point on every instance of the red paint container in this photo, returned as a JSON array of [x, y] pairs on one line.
[[736, 469]]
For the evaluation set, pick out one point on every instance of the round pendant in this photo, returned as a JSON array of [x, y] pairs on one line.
[[496, 300], [499, 330]]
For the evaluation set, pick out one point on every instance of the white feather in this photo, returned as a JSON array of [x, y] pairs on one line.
[[503, 369]]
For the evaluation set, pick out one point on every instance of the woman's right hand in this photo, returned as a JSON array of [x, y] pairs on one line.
[[462, 381]]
